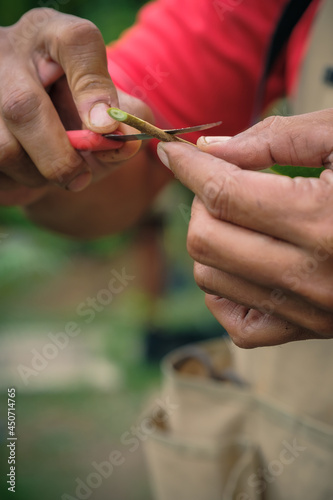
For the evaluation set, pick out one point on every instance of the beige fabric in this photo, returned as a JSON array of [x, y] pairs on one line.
[[299, 375], [225, 441], [312, 93]]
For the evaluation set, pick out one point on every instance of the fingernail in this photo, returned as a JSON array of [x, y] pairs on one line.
[[215, 139], [80, 182], [99, 117], [163, 155]]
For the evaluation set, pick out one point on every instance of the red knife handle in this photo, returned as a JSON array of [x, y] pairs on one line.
[[86, 140]]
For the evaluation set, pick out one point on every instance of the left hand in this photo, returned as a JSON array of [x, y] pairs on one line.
[[54, 76], [263, 243]]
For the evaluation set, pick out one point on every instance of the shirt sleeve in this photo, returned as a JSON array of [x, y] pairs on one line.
[[199, 61]]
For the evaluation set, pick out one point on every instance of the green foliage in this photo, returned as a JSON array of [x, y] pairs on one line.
[[297, 171], [117, 14]]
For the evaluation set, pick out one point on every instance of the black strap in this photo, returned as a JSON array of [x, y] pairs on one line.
[[292, 13]]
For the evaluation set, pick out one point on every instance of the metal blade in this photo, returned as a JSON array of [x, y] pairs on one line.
[[175, 131], [196, 128], [127, 137]]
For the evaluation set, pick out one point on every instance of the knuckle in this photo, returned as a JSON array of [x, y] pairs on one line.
[[328, 159], [19, 106], [30, 25], [273, 123], [325, 299], [197, 242], [57, 174], [282, 139], [30, 15], [218, 194], [240, 339], [62, 170], [323, 326], [320, 296], [10, 152], [81, 32], [201, 277], [86, 83], [247, 327], [318, 315]]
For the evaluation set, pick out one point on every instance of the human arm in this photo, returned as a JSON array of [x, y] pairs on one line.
[[262, 243], [174, 100], [60, 72], [106, 207]]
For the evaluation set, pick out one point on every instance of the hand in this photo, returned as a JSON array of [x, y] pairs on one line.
[[53, 76], [263, 243]]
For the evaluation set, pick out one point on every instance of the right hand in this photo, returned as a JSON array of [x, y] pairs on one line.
[[262, 243], [54, 76]]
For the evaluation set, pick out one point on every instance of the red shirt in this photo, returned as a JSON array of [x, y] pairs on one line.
[[198, 61]]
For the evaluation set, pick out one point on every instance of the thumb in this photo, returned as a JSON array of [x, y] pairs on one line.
[[302, 140], [78, 46]]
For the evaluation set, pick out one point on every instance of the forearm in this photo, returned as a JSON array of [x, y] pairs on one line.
[[180, 92], [106, 207]]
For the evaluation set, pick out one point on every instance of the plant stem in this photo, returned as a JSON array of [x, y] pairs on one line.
[[143, 126]]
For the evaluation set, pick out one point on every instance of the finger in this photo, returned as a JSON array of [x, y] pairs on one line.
[[7, 184], [130, 148], [101, 163], [28, 112], [275, 205], [138, 108], [249, 328], [303, 140], [260, 259], [265, 300], [15, 163], [123, 152], [239, 251], [15, 194], [85, 140], [78, 46]]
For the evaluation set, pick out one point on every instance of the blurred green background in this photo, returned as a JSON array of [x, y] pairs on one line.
[[112, 17], [76, 409]]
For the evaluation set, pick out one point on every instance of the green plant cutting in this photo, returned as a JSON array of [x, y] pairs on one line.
[[148, 128], [293, 171]]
